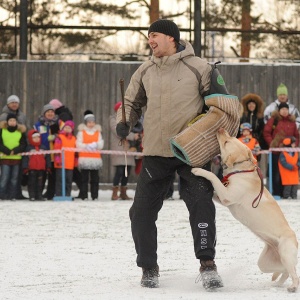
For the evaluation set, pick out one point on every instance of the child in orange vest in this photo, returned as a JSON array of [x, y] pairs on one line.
[[289, 163], [247, 139], [89, 138], [65, 138]]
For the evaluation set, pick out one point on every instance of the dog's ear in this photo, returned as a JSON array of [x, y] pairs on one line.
[[229, 161], [251, 157]]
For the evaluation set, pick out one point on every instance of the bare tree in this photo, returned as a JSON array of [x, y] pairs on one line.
[[237, 24]]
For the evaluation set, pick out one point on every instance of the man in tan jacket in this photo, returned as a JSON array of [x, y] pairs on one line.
[[171, 86]]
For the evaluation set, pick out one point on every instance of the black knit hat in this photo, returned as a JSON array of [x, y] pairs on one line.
[[10, 116], [166, 27], [282, 105]]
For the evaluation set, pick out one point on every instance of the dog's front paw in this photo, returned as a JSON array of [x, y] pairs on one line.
[[198, 171]]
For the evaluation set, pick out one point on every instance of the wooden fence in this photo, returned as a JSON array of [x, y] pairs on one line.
[[95, 86]]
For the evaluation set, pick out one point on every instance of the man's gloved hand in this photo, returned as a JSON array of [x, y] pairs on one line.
[[123, 129]]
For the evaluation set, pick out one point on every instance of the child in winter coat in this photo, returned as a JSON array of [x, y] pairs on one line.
[[46, 126], [12, 142], [247, 139], [288, 164], [65, 138], [35, 165], [89, 137]]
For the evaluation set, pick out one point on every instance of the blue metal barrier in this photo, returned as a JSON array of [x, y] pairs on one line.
[[63, 179]]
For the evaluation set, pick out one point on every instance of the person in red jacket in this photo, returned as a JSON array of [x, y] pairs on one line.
[[35, 165], [278, 127], [289, 163], [66, 139]]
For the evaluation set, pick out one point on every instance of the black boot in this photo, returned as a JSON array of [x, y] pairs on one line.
[[209, 274], [150, 277]]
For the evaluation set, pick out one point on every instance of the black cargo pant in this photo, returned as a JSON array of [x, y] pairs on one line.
[[152, 186]]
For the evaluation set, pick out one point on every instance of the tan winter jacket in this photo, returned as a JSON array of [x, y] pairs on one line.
[[170, 89]]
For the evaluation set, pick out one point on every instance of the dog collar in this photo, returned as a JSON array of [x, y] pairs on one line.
[[225, 181]]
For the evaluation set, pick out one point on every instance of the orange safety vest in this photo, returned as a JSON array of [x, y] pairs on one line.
[[289, 177], [87, 139], [250, 145], [69, 155]]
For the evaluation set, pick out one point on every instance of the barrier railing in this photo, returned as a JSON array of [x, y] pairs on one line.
[[130, 153], [62, 151], [270, 167]]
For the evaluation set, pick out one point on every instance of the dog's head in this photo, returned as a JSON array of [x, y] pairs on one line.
[[232, 150]]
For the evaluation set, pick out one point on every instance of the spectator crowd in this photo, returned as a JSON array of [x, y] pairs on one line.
[[261, 128]]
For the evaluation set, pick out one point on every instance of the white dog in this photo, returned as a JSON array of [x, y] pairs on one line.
[[250, 203]]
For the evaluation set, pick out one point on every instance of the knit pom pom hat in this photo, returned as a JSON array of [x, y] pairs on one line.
[[288, 141], [282, 89], [70, 124], [56, 103], [166, 27], [88, 116]]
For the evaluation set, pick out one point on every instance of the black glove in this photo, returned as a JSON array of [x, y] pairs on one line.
[[123, 129], [54, 128]]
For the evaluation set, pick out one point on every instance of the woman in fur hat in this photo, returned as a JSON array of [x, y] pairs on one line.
[[253, 113]]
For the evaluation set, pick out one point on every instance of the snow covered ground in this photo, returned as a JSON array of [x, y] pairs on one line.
[[84, 250]]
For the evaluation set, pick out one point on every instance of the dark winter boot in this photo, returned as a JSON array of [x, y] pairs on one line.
[[31, 185], [114, 195], [150, 277], [123, 194], [209, 275], [94, 190], [39, 187]]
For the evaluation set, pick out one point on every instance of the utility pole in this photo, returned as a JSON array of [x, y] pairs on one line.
[[23, 29], [246, 25], [154, 10], [197, 27]]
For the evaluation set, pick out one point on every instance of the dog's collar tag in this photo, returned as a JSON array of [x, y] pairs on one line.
[[225, 182]]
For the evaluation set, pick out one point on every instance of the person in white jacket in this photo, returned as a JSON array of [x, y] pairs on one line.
[[282, 97], [89, 138]]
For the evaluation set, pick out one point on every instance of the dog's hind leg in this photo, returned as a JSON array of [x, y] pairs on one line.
[[269, 261]]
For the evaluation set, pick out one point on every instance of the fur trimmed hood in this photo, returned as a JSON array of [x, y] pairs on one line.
[[20, 127], [275, 114], [82, 126], [259, 104]]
